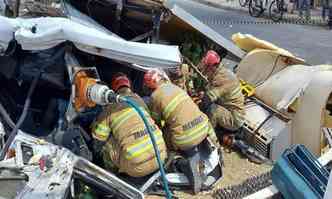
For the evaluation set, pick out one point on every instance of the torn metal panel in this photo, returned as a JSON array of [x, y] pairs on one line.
[[260, 64], [109, 180], [281, 89], [44, 33], [203, 28], [54, 179], [249, 42], [7, 30], [307, 123], [75, 15], [34, 8]]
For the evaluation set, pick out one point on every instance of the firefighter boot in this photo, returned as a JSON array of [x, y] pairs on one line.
[[191, 168]]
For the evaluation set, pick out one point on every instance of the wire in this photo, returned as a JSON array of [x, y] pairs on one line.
[[273, 68], [22, 117], [154, 143]]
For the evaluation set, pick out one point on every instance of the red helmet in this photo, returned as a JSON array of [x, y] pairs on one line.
[[211, 58], [152, 78], [120, 80]]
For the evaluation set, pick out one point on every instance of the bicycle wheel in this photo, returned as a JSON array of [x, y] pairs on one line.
[[276, 10], [243, 3], [256, 8]]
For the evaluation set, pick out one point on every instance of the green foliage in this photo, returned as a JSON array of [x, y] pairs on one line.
[[86, 193], [195, 45]]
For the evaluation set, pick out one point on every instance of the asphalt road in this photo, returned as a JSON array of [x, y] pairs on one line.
[[313, 43]]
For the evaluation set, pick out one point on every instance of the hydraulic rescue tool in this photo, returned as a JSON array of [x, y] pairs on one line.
[[88, 91], [253, 155]]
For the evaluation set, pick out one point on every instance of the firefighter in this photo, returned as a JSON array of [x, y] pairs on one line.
[[185, 125], [127, 147], [222, 100]]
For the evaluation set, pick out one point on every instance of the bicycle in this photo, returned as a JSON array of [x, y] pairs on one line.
[[276, 10], [243, 3], [257, 7]]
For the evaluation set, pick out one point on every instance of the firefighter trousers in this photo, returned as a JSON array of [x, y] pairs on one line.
[[228, 119]]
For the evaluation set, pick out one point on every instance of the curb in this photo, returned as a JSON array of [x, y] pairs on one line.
[[285, 20]]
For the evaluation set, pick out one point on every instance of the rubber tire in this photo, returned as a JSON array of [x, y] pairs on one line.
[[272, 14], [251, 8], [243, 3]]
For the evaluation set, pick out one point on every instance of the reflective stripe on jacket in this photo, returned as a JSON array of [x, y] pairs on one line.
[[136, 155], [225, 90], [185, 123]]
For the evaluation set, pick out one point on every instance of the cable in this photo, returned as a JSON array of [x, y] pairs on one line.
[[273, 68], [22, 117], [6, 117], [153, 140]]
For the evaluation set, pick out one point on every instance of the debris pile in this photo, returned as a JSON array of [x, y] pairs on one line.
[[104, 99]]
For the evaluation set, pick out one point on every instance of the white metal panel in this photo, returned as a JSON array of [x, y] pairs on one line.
[[7, 30], [202, 28], [281, 89], [51, 31], [306, 125]]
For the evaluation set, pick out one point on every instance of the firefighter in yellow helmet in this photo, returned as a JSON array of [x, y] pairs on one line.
[[223, 100], [186, 126], [127, 147]]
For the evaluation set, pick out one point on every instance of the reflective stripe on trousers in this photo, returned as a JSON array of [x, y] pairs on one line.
[[144, 145], [193, 133]]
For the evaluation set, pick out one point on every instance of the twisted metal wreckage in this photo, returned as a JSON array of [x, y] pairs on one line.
[[286, 108]]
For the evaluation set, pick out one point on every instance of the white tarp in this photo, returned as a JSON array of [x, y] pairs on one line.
[[51, 31]]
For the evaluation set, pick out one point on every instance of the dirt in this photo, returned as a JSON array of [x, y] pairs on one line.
[[236, 169]]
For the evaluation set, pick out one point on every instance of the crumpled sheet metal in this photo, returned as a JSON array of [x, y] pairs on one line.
[[249, 42], [260, 64], [76, 16], [50, 32], [55, 182], [198, 25], [6, 34], [35, 8], [281, 89], [306, 125]]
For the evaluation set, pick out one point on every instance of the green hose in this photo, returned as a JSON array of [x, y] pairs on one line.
[[153, 140]]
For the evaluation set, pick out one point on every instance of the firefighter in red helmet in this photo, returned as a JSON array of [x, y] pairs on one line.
[[186, 126], [222, 100], [126, 145]]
